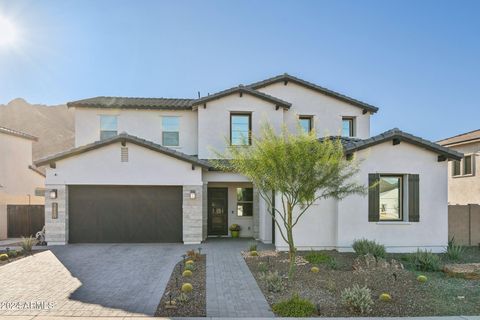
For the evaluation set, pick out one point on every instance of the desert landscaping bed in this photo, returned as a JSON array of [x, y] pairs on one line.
[[185, 303], [439, 295]]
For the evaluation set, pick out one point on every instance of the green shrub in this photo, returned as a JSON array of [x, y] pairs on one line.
[[252, 246], [364, 246], [3, 257], [333, 264], [27, 244], [357, 299], [189, 266], [294, 307], [454, 252], [12, 253], [273, 281], [262, 267], [317, 257], [424, 260]]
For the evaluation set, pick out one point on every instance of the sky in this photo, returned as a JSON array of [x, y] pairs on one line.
[[418, 61]]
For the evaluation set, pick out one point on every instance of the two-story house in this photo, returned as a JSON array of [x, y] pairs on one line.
[[140, 172], [463, 180]]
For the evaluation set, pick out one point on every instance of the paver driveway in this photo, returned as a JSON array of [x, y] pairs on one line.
[[91, 280]]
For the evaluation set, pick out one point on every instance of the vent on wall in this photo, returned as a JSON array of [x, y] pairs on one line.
[[124, 154]]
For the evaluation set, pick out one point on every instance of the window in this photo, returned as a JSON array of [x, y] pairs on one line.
[[240, 129], [456, 168], [108, 126], [391, 198], [306, 123], [348, 129], [40, 192], [244, 202], [171, 131], [467, 165]]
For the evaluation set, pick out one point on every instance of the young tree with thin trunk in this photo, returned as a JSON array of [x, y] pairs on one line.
[[299, 168]]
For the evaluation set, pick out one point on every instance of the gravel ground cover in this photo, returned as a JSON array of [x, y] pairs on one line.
[[195, 305], [440, 295]]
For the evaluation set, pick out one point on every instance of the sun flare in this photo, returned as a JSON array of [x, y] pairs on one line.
[[8, 32]]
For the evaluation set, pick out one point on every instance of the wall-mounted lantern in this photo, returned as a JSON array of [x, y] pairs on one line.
[[53, 194], [193, 194]]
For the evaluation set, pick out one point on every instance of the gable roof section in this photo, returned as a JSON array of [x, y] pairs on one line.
[[133, 103], [122, 137], [471, 136], [241, 90], [286, 78], [17, 134], [352, 144]]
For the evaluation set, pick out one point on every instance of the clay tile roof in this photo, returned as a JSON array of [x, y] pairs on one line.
[[17, 133], [461, 138], [133, 103]]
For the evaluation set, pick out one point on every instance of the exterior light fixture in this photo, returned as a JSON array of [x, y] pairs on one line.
[[193, 194], [53, 194]]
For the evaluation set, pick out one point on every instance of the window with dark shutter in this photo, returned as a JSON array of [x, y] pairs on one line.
[[373, 197], [413, 198]]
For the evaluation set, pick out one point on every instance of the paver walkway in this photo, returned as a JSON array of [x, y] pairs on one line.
[[231, 289]]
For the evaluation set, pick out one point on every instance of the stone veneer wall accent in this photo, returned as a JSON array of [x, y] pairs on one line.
[[256, 214], [205, 211], [192, 215], [56, 230]]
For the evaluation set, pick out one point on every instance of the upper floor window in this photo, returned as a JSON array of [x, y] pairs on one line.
[[348, 127], [306, 123], [171, 131], [240, 129], [108, 126], [464, 167]]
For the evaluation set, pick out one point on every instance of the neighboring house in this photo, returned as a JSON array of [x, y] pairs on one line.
[[463, 180], [20, 182], [140, 172]]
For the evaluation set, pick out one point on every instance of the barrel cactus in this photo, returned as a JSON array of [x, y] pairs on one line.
[[3, 257], [187, 287], [422, 278], [315, 269], [385, 297], [187, 273], [254, 253]]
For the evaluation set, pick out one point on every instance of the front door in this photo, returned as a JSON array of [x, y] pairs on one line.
[[218, 211]]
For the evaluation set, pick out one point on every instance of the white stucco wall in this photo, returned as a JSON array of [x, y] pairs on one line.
[[103, 167], [431, 232], [327, 111], [332, 224], [214, 121], [465, 189], [17, 181], [146, 124]]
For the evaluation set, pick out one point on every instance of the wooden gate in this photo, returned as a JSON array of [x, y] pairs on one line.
[[24, 220]]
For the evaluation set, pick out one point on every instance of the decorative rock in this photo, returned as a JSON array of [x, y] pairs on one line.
[[368, 262], [382, 263], [394, 264], [469, 271]]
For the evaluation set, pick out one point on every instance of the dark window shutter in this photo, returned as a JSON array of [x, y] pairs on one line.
[[413, 198], [373, 197]]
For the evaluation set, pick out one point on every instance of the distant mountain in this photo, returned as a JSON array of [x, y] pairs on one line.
[[53, 125]]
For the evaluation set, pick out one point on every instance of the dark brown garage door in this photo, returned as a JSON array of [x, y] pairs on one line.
[[113, 214]]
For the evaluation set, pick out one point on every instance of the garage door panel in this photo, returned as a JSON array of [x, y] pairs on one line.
[[114, 214]]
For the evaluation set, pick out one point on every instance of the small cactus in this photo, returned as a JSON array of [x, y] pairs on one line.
[[3, 257], [315, 269], [422, 278], [187, 287], [12, 253], [385, 297], [189, 262], [189, 267], [187, 273], [254, 253]]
